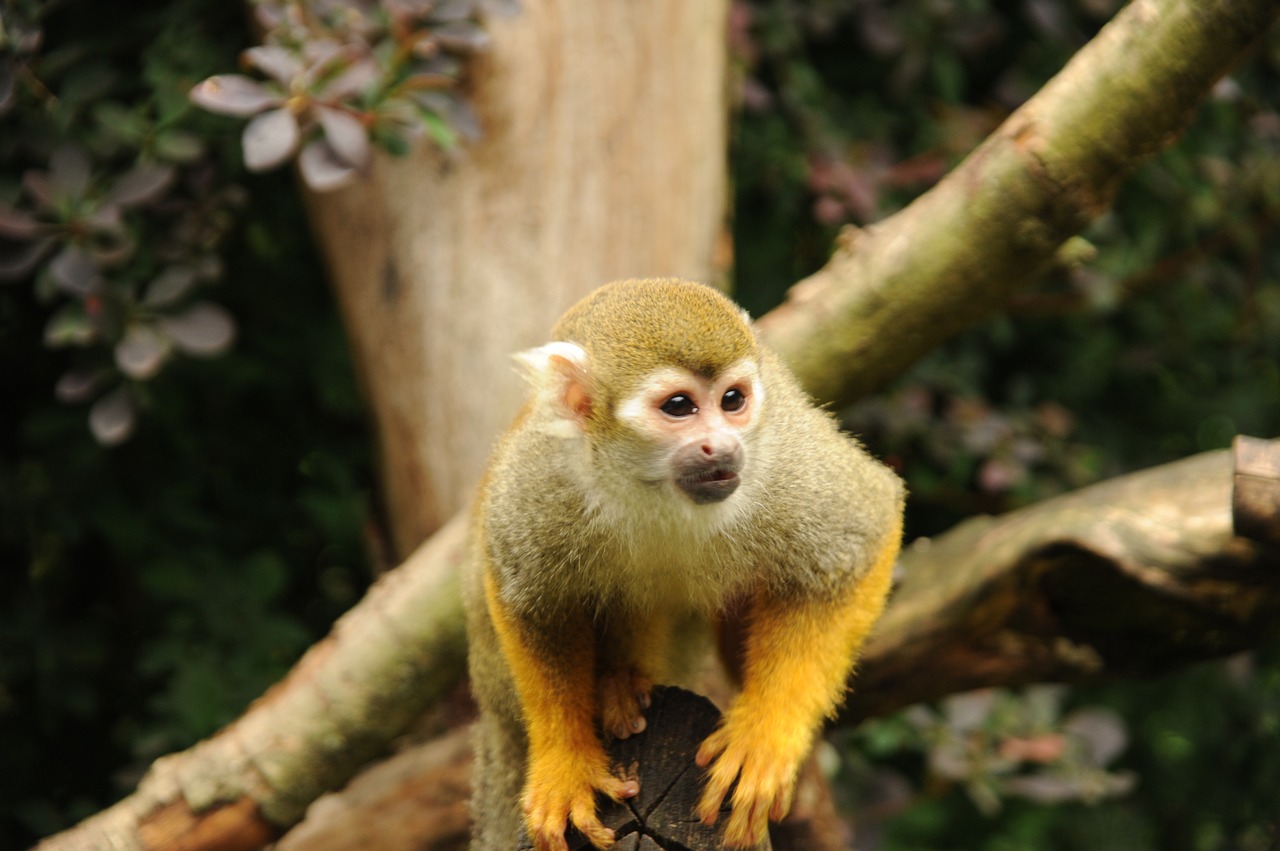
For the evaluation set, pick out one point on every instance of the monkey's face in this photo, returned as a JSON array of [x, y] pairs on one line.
[[696, 429]]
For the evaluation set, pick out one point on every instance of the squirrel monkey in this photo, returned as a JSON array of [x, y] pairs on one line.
[[666, 462]]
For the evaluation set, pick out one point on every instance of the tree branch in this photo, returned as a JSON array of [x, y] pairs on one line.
[[895, 290], [1136, 575]]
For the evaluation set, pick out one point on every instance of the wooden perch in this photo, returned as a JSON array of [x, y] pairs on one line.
[[670, 783], [1133, 576]]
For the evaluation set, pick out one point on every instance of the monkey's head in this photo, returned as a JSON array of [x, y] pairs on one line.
[[661, 377]]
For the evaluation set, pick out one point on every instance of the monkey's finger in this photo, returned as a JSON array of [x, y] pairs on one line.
[[782, 804], [746, 825], [719, 779], [619, 789], [549, 840], [585, 820], [624, 695], [711, 747]]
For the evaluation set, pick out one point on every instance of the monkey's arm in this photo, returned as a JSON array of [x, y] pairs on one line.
[[798, 656], [554, 677]]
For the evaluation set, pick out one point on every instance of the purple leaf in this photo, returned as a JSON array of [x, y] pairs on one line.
[[319, 52], [453, 110], [179, 147], [204, 329], [39, 187], [358, 78], [69, 326], [453, 10], [15, 224], [77, 385], [142, 184], [109, 219], [1044, 788], [269, 139], [141, 352], [169, 286], [463, 37], [322, 169], [969, 711], [1102, 732], [269, 17], [18, 261], [68, 172], [275, 61], [111, 248], [113, 417], [74, 271], [233, 94], [345, 135]]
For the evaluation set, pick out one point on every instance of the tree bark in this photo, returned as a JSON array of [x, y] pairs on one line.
[[895, 290], [1133, 576], [603, 158]]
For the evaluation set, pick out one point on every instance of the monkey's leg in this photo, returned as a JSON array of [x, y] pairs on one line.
[[498, 775], [633, 652], [556, 679], [798, 657]]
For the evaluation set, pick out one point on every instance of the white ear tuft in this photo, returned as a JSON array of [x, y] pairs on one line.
[[537, 363], [558, 372]]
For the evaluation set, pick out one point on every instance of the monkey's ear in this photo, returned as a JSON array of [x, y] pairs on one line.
[[560, 376]]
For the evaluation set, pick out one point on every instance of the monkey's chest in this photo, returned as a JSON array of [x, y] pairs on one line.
[[672, 575]]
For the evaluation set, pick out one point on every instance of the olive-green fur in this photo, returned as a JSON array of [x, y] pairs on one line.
[[695, 328]]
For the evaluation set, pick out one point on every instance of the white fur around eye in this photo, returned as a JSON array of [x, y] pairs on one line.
[[637, 409]]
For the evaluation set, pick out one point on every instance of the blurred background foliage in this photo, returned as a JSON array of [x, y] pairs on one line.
[[150, 590]]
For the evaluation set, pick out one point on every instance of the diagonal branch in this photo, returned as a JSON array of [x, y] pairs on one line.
[[1136, 575], [895, 290]]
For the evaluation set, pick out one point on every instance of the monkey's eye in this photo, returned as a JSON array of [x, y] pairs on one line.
[[679, 405], [733, 400]]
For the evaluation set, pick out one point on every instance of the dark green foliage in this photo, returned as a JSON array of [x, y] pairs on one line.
[[149, 592]]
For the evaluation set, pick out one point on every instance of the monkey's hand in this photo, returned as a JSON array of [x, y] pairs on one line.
[[748, 748], [624, 696], [562, 786]]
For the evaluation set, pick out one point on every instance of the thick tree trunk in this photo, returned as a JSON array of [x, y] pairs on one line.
[[603, 158]]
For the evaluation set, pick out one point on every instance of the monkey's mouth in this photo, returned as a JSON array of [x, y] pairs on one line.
[[710, 485]]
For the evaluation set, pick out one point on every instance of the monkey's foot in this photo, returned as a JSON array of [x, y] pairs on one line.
[[624, 696], [765, 766], [563, 787]]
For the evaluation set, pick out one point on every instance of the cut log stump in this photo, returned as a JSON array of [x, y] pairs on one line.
[[662, 815]]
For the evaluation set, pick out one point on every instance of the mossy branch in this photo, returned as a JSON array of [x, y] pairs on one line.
[[894, 291]]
